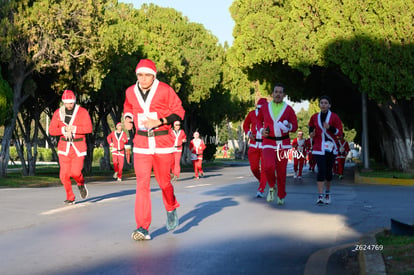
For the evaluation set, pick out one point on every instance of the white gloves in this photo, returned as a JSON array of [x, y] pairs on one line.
[[283, 126]]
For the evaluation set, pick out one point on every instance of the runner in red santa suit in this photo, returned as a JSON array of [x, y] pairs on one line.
[[71, 123], [197, 147], [324, 128], [278, 120], [179, 138], [254, 154], [118, 141], [343, 150], [311, 159], [299, 154], [152, 106]]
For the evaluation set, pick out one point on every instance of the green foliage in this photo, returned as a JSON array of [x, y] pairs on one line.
[[98, 153], [44, 154], [6, 99], [370, 42]]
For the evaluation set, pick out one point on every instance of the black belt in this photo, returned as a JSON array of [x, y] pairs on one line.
[[73, 140], [178, 146], [259, 140], [152, 133], [278, 138]]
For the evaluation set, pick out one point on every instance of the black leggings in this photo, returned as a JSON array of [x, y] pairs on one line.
[[325, 164]]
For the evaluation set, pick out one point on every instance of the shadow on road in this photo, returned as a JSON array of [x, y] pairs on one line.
[[195, 216]]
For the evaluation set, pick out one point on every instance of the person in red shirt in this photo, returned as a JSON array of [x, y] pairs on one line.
[[152, 106], [276, 119], [255, 154], [299, 154], [324, 128], [343, 150], [118, 141], [71, 123], [179, 138], [197, 147]]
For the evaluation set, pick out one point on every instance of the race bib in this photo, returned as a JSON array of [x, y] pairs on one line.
[[328, 146]]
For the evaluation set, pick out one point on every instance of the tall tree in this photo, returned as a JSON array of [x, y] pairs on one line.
[[366, 45]]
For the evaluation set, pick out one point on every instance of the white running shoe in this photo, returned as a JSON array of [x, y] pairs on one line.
[[271, 195], [327, 198]]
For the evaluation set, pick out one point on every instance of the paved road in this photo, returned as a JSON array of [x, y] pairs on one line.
[[223, 228]]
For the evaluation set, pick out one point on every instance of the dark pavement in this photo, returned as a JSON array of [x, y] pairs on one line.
[[224, 228]]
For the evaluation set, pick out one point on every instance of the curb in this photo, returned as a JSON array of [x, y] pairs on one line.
[[371, 261], [381, 181], [317, 263]]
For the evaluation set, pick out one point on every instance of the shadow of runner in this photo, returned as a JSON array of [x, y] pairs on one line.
[[202, 211], [110, 195]]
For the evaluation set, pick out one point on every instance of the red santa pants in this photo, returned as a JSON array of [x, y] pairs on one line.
[[71, 166], [198, 167], [143, 165], [340, 164], [118, 161], [276, 161], [255, 157], [175, 167], [298, 163]]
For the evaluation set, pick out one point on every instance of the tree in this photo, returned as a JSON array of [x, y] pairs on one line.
[[73, 45], [366, 45], [6, 96]]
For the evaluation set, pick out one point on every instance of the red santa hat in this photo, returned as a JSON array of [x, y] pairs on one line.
[[68, 97], [146, 66], [118, 124], [262, 101]]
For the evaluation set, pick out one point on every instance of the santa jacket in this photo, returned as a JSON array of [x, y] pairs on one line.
[[197, 148], [320, 133], [161, 102], [179, 137], [118, 147], [299, 145], [343, 148], [278, 138], [250, 126], [83, 125]]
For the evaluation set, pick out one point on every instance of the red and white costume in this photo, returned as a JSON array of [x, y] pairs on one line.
[[118, 143], [152, 148], [276, 146], [299, 154], [311, 159], [323, 138], [254, 154], [179, 138], [71, 150], [343, 150], [197, 147]]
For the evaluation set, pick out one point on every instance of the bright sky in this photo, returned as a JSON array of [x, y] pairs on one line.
[[213, 14]]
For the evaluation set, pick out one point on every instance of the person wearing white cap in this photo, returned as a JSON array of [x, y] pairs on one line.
[[152, 106], [254, 154], [179, 138], [118, 141], [71, 123]]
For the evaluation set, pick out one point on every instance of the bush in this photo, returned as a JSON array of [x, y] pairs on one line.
[[98, 153], [44, 154]]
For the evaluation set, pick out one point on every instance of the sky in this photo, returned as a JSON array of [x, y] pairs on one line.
[[213, 14]]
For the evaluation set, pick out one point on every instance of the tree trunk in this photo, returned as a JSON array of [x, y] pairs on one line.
[[396, 135], [9, 128]]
